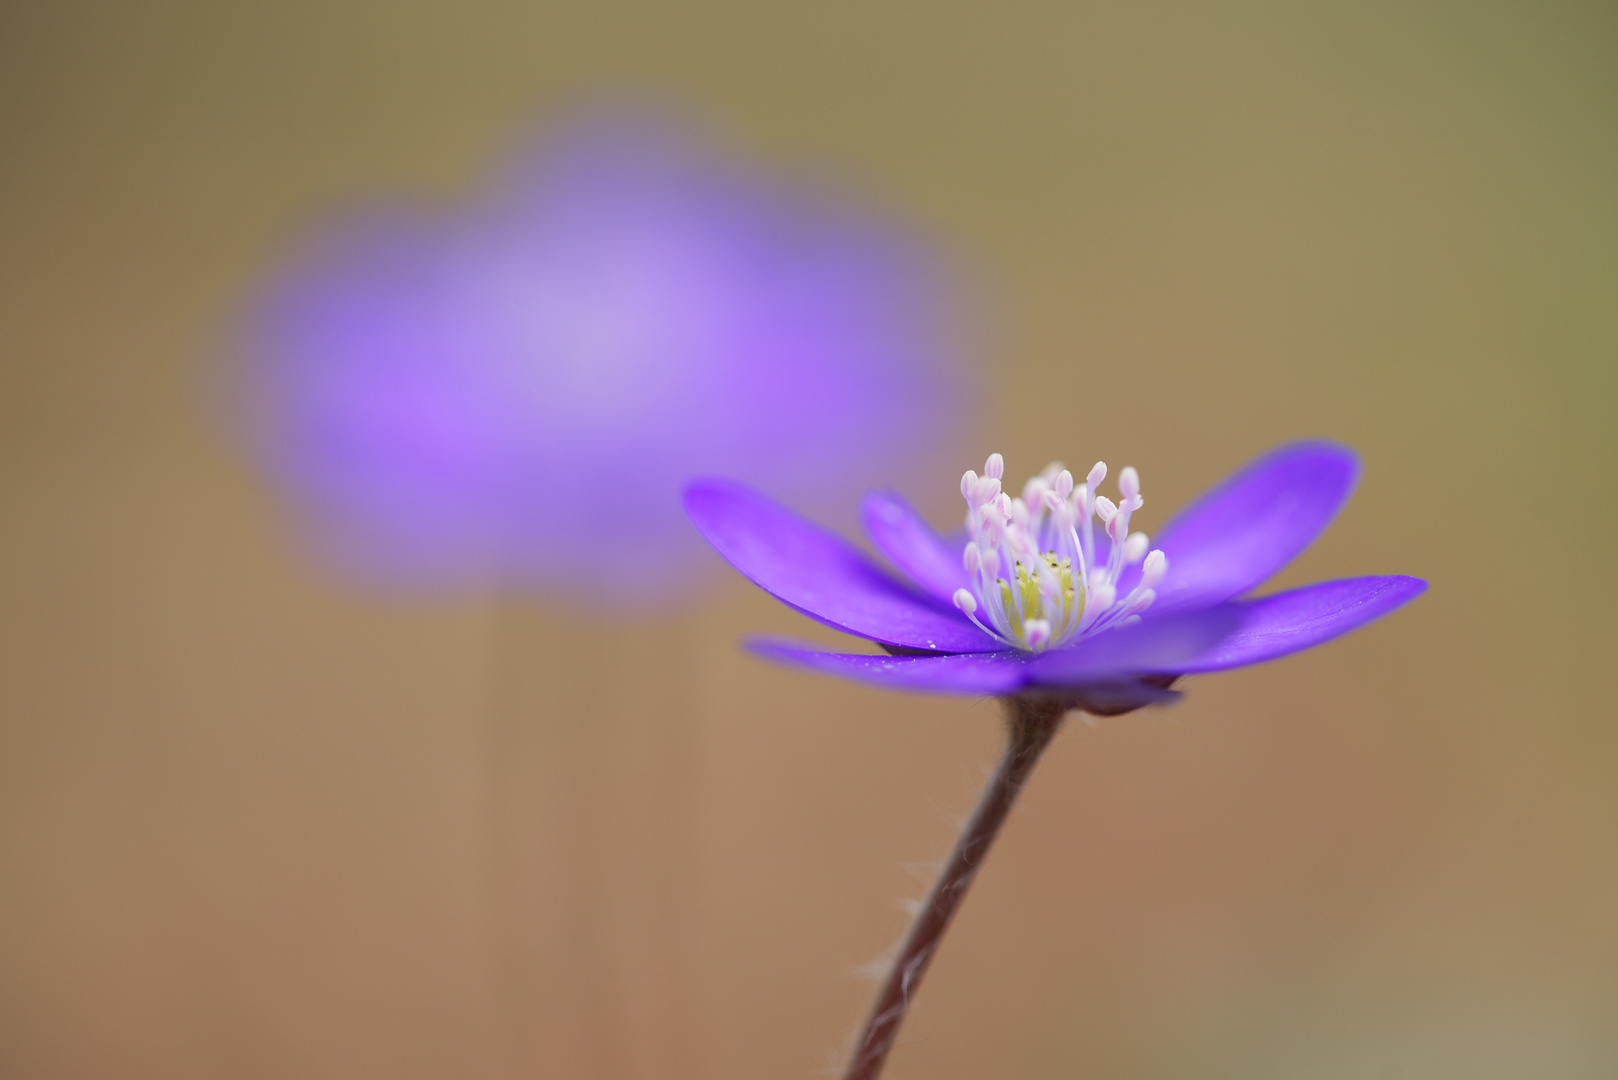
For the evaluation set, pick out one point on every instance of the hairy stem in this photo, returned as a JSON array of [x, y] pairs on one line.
[[1030, 725]]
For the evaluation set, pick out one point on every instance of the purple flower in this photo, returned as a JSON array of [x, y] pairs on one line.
[[1050, 594], [517, 389]]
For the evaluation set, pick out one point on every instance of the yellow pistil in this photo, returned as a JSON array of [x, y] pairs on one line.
[[1009, 602], [1033, 600], [1063, 568], [1033, 604]]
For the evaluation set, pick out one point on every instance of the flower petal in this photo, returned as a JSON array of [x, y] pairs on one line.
[[1163, 645], [821, 574], [975, 674], [1243, 531], [944, 673], [1302, 618], [913, 546]]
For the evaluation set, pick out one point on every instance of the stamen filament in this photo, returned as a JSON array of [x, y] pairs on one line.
[[1052, 591]]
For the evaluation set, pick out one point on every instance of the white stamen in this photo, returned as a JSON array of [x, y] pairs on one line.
[[993, 523], [1038, 633], [1050, 589], [1033, 492], [969, 606], [1087, 518], [1156, 565], [1135, 548], [1032, 569]]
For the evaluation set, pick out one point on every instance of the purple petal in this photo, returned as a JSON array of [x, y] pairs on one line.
[[1300, 619], [976, 674], [912, 545], [1257, 521], [821, 574], [960, 673], [1162, 645]]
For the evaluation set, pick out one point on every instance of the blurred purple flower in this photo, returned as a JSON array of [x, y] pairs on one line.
[[516, 391], [1030, 600]]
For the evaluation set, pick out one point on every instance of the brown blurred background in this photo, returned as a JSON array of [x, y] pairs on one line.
[[257, 824]]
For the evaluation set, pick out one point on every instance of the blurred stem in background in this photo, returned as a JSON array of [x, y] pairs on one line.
[[592, 770]]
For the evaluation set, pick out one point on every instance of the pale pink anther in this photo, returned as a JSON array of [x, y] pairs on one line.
[[1129, 482], [1038, 633], [1135, 548], [1152, 571]]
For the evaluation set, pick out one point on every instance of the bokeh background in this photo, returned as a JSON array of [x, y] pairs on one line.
[[256, 822]]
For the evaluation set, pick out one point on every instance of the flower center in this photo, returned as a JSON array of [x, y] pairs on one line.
[[1039, 576]]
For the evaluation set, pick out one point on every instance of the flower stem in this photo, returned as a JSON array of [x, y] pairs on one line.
[[1030, 725]]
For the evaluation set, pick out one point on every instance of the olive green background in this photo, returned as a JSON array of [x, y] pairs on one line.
[[257, 823]]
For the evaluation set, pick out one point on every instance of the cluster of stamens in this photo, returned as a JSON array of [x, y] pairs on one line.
[[1038, 580]]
